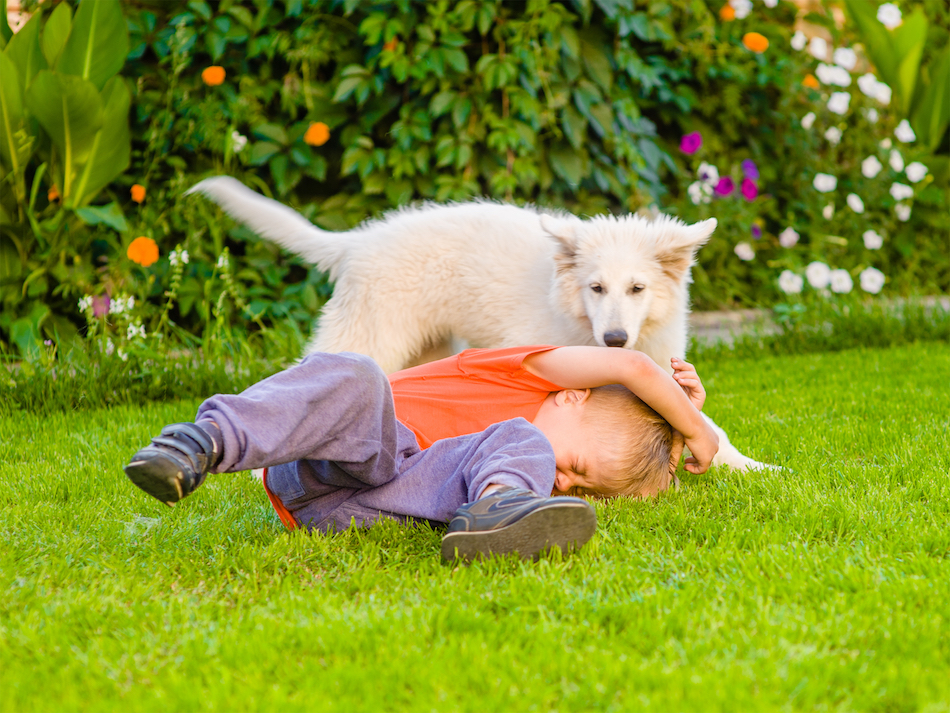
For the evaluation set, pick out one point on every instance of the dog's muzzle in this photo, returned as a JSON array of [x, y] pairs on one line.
[[617, 338]]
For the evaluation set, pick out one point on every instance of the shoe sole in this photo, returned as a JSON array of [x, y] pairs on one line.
[[567, 525], [161, 480]]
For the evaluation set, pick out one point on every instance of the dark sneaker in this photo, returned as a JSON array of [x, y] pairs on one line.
[[512, 520], [176, 462]]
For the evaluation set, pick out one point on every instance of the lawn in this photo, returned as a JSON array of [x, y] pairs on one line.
[[825, 587]]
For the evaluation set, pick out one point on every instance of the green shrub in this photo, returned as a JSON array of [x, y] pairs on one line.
[[345, 109]]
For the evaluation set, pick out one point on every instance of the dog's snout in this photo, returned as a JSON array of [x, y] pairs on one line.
[[617, 338]]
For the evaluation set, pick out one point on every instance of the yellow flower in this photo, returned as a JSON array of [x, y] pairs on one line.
[[52, 194], [143, 250], [811, 82], [391, 45], [755, 42], [317, 134], [138, 193], [213, 76], [727, 12]]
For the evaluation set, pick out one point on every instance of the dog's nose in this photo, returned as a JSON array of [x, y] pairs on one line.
[[616, 338]]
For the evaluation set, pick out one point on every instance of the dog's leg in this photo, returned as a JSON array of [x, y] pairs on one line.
[[730, 456]]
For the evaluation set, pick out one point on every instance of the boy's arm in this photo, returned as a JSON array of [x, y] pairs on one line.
[[589, 367]]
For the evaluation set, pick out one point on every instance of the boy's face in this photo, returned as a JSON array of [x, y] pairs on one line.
[[582, 464]]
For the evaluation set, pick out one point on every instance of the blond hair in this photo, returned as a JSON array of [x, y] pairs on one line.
[[642, 446]]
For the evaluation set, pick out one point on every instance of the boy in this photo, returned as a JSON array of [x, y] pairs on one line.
[[336, 453]]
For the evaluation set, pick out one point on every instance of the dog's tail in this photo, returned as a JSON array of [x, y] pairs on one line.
[[275, 221]]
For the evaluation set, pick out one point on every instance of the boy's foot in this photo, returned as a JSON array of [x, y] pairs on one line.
[[512, 520], [176, 462]]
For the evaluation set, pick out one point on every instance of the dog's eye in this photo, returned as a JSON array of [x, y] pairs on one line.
[[637, 288], [597, 288]]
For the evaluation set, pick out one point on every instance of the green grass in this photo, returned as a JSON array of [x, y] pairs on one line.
[[826, 587]]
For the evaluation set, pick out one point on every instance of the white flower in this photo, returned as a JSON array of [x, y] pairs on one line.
[[896, 161], [122, 355], [818, 274], [867, 83], [222, 261], [178, 256], [120, 305], [885, 144], [845, 57], [904, 133], [788, 238], [855, 203], [870, 167], [742, 8], [808, 120], [916, 172], [900, 191], [110, 347], [85, 303], [824, 183], [871, 115], [818, 48], [841, 281], [833, 134], [830, 74], [135, 330], [184, 257], [872, 241], [872, 280], [708, 174], [790, 283], [744, 251], [699, 192], [882, 93], [889, 15], [828, 212], [838, 102], [799, 41], [238, 141], [902, 210], [771, 3]]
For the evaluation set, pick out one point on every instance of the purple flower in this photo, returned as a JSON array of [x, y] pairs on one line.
[[725, 186], [756, 232], [750, 170], [749, 189], [691, 142], [100, 306]]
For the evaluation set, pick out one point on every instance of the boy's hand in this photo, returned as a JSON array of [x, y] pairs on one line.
[[702, 448], [685, 375]]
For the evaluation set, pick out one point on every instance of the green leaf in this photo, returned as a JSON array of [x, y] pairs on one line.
[[932, 113], [275, 133], [109, 214], [25, 52], [597, 62], [112, 146], [875, 38], [441, 102], [568, 164], [5, 32], [11, 113], [261, 152], [98, 43], [56, 33], [575, 126], [346, 88], [456, 59]]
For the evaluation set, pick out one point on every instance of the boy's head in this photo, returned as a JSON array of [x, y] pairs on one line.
[[607, 442]]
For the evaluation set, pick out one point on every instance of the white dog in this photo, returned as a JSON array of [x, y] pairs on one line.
[[492, 275]]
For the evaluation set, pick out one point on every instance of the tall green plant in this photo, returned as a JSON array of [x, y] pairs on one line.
[[64, 124], [921, 92]]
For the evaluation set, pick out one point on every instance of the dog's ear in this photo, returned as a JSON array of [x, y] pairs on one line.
[[564, 232], [679, 252]]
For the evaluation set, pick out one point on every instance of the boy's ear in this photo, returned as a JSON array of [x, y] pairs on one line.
[[572, 397]]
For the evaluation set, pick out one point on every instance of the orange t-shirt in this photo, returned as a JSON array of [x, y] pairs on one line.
[[462, 394]]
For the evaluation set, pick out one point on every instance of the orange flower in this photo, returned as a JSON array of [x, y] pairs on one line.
[[811, 82], [391, 45], [727, 12], [52, 194], [213, 76], [143, 250], [317, 134], [138, 193], [755, 42]]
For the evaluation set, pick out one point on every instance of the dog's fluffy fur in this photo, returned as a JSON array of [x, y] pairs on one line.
[[491, 275]]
